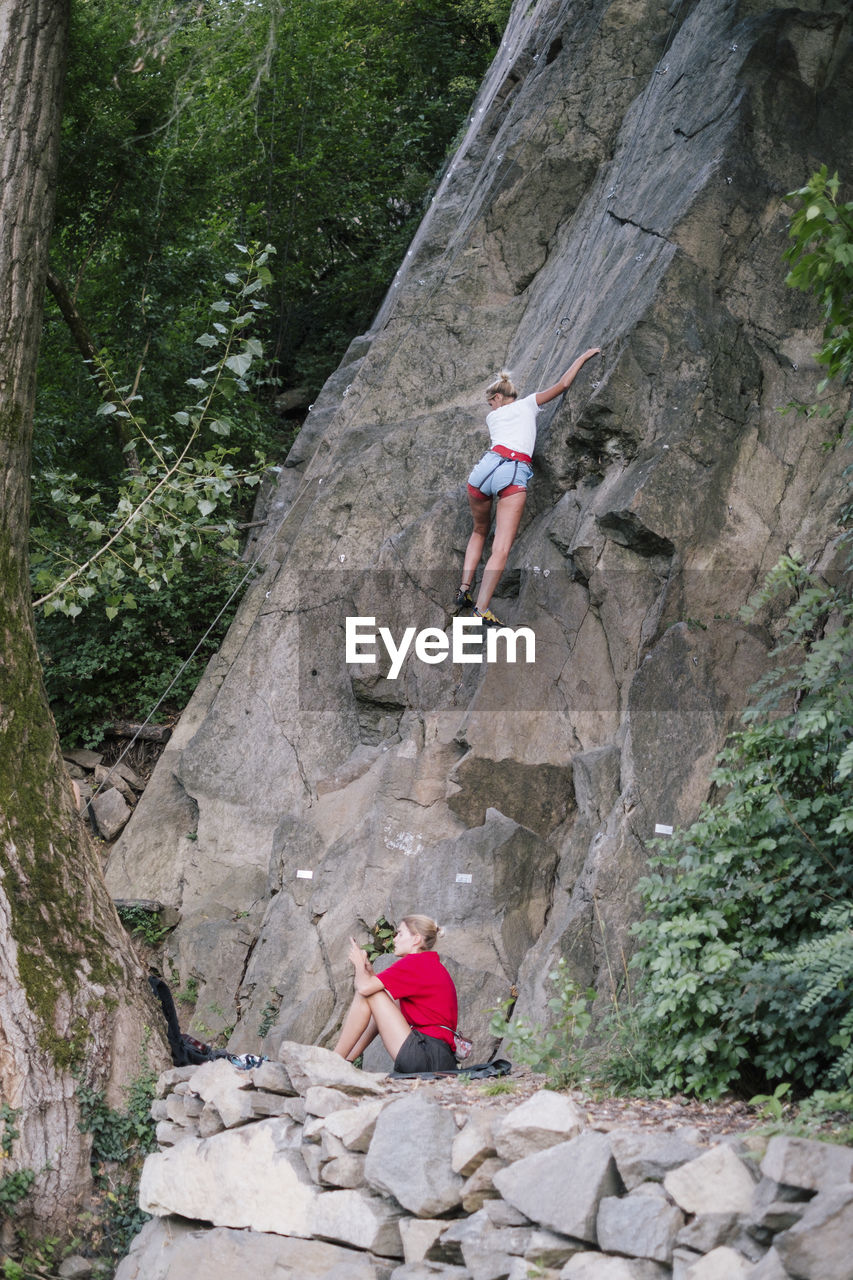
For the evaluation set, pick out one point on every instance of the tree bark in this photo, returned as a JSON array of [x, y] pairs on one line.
[[73, 997]]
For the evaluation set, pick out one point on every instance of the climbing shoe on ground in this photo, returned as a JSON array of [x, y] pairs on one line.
[[488, 617], [464, 599]]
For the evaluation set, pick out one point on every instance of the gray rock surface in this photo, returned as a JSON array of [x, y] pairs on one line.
[[542, 1120], [248, 1177], [818, 1246], [172, 1249], [648, 1157], [562, 1211], [716, 1182], [410, 1156], [642, 1226], [804, 1163], [562, 1187], [620, 183]]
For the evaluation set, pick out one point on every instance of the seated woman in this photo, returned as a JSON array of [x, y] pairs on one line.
[[418, 1030]]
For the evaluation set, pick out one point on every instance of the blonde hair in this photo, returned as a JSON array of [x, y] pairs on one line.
[[503, 385], [426, 929]]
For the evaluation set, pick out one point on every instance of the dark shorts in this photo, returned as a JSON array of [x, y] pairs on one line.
[[420, 1052]]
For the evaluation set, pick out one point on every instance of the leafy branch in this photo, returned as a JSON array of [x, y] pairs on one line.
[[164, 507]]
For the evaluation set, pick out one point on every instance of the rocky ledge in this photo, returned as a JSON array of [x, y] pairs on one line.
[[309, 1167]]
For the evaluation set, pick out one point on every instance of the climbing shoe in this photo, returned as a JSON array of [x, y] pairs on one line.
[[488, 618], [464, 599]]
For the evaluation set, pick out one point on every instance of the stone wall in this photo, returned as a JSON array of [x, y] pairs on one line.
[[621, 182], [309, 1167]]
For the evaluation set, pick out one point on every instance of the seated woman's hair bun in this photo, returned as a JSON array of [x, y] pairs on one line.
[[425, 927]]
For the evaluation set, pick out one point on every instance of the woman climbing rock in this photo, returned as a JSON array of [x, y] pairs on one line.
[[504, 472], [418, 1030]]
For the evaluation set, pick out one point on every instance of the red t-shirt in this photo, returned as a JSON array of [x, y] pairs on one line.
[[426, 993]]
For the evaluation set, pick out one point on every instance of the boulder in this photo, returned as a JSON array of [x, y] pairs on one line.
[[359, 1219], [806, 1163], [597, 1266], [649, 1156], [474, 1143], [723, 1263], [641, 1226], [562, 1187], [110, 811], [410, 1155], [172, 1249], [354, 1127], [308, 1065], [541, 1121], [818, 1246], [480, 1186], [716, 1182], [248, 1177]]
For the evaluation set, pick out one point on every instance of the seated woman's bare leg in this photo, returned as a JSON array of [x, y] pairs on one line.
[[390, 1023], [368, 1016], [355, 1029]]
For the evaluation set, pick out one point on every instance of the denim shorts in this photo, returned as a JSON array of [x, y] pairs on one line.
[[494, 473]]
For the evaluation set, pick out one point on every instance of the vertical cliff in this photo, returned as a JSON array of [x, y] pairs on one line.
[[620, 183]]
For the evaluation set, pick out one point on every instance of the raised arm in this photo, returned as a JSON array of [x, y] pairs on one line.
[[542, 397], [365, 980]]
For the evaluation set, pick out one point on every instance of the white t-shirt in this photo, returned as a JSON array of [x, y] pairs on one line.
[[514, 425]]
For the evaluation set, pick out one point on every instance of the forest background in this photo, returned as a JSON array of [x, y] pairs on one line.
[[316, 129]]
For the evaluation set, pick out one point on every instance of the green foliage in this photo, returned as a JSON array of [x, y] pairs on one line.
[[494, 1088], [8, 1128], [172, 504], [269, 1013], [823, 967], [14, 1186], [557, 1050], [143, 924], [381, 940], [96, 670], [822, 258], [120, 1142], [722, 1003], [316, 125], [772, 1105], [120, 1136]]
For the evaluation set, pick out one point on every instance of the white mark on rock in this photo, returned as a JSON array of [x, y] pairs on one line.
[[463, 878], [305, 875], [404, 841], [661, 829]]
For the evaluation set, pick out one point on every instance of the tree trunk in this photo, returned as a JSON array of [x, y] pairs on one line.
[[73, 996]]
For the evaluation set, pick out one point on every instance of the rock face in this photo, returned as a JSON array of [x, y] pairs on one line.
[[620, 184]]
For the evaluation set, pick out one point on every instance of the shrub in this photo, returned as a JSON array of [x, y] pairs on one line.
[[741, 905]]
